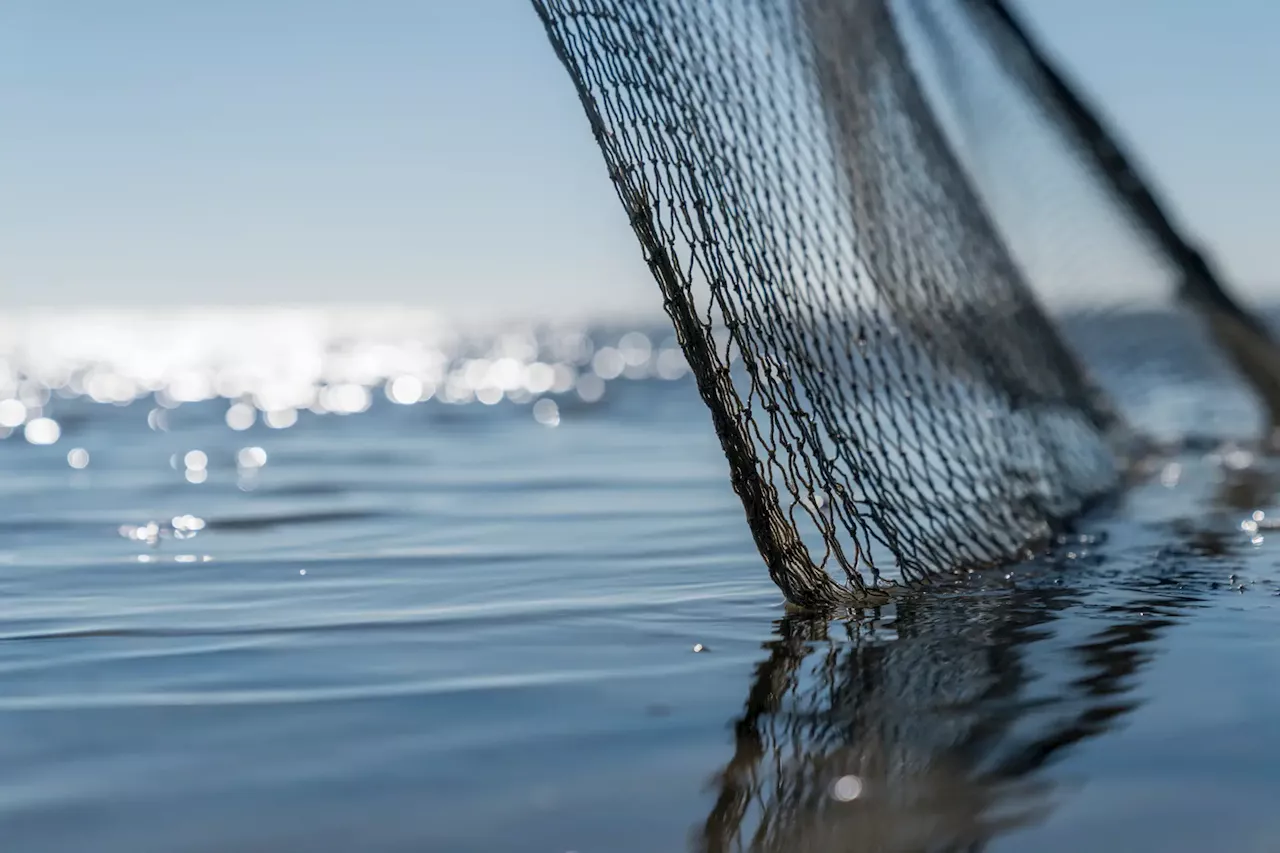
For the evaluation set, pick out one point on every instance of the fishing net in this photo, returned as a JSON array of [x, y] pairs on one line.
[[854, 210]]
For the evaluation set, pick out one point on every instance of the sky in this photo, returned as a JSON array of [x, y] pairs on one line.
[[433, 152]]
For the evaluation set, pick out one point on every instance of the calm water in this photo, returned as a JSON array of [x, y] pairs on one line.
[[471, 627]]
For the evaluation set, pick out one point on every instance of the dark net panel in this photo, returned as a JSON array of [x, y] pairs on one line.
[[1078, 213], [1069, 224], [891, 397]]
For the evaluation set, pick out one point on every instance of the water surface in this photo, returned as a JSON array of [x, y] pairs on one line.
[[466, 627]]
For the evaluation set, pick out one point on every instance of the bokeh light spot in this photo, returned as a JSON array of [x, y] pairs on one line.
[[42, 431]]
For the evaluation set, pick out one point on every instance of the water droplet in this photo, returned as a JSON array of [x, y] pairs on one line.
[[546, 412], [590, 387], [280, 418], [12, 413], [240, 416], [251, 457], [846, 789], [405, 390], [42, 431], [1238, 459]]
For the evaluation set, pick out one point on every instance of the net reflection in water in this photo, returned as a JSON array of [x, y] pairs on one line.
[[932, 730]]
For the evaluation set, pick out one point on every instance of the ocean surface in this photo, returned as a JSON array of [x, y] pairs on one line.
[[342, 581]]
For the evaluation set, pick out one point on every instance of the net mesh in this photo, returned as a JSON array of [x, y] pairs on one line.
[[846, 205]]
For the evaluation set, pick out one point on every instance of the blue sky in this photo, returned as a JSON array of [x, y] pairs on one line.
[[433, 152]]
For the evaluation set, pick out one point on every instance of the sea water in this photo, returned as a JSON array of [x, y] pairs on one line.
[[309, 581]]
